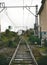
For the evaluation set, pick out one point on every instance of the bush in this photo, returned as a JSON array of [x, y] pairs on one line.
[[4, 60], [34, 39], [42, 61], [10, 43]]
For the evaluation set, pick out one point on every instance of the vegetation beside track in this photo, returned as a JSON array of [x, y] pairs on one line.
[[9, 41], [40, 54]]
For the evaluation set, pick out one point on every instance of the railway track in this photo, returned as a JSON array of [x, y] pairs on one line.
[[23, 55]]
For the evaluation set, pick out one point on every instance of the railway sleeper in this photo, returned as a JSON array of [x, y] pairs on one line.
[[23, 62]]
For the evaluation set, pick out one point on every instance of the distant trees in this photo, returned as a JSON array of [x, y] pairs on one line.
[[29, 32], [31, 38], [9, 28]]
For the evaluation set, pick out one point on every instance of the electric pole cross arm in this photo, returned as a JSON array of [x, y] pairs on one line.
[[2, 4], [31, 12], [17, 6]]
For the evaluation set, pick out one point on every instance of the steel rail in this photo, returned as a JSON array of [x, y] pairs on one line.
[[35, 62], [14, 53], [33, 58]]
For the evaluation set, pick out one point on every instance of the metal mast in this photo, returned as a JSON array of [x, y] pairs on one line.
[[36, 22]]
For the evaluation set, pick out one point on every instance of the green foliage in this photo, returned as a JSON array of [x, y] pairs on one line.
[[32, 33], [7, 32], [12, 44], [9, 38], [42, 61], [4, 60], [34, 39], [29, 32]]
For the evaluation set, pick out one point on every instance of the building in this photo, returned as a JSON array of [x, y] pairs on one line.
[[43, 19]]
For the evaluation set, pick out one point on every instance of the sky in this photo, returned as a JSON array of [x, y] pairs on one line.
[[18, 18]]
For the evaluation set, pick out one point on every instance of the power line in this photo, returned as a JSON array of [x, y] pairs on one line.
[[13, 22], [18, 7], [31, 12], [2, 10], [9, 18]]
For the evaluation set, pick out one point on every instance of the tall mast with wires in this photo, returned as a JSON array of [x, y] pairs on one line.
[[36, 22]]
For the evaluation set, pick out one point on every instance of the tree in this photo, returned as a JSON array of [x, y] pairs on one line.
[[9, 28], [7, 32]]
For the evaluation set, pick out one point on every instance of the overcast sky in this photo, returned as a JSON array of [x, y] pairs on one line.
[[17, 17]]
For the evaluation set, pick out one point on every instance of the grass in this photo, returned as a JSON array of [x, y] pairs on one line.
[[4, 60], [43, 49], [5, 55], [8, 45], [42, 60]]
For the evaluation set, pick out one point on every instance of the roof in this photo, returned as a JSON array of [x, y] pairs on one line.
[[42, 6]]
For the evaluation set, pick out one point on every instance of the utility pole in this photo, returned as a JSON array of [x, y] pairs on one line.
[[2, 6], [36, 22]]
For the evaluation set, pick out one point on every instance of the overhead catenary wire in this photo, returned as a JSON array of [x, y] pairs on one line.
[[17, 7], [28, 8], [14, 23], [2, 10], [6, 13], [9, 18], [31, 12]]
